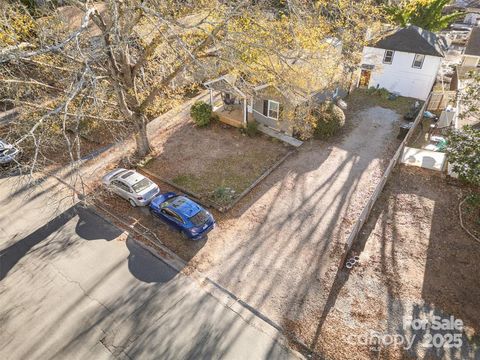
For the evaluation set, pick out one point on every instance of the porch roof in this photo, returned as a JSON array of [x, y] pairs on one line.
[[225, 83]]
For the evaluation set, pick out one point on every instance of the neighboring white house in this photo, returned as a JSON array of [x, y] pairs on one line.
[[406, 61]]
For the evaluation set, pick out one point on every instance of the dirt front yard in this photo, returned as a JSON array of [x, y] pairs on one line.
[[416, 262], [216, 163]]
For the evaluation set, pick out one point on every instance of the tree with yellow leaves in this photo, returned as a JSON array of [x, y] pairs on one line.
[[427, 14], [118, 60]]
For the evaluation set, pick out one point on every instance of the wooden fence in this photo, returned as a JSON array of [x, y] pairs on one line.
[[378, 190], [439, 100]]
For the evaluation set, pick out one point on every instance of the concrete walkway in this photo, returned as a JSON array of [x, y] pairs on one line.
[[278, 135]]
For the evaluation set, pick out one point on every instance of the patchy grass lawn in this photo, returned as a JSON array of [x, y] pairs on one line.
[[217, 163], [360, 99]]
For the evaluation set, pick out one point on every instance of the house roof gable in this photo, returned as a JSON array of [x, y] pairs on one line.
[[412, 39]]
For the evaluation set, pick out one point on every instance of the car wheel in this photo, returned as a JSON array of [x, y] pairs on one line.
[[133, 203]]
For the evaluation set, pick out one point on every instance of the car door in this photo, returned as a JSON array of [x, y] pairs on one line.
[[172, 219], [121, 189]]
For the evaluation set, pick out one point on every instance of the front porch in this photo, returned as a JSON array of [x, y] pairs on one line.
[[228, 102], [232, 115]]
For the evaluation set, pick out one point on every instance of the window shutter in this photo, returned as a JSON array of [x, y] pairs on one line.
[[265, 107]]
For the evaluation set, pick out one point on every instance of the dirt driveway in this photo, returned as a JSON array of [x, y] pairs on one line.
[[279, 248]]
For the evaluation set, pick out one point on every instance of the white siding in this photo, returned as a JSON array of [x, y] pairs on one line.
[[400, 76], [470, 60]]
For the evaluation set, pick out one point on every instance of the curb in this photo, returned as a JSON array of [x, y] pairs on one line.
[[247, 312]]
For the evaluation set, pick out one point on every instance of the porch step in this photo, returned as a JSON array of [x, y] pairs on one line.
[[278, 135]]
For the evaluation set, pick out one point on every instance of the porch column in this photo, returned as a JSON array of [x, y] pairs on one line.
[[211, 97], [245, 111]]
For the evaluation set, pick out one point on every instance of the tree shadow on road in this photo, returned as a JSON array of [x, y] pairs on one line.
[[11, 255], [51, 240]]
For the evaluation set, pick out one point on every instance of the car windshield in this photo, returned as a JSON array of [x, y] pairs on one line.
[[5, 152], [199, 218], [127, 174], [141, 185]]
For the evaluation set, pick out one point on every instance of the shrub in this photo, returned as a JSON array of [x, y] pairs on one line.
[[214, 117], [463, 152], [201, 113], [251, 129], [383, 93], [87, 125], [329, 119], [304, 123], [223, 194], [380, 92]]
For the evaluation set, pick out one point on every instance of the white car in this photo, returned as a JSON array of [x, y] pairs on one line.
[[132, 186], [7, 153]]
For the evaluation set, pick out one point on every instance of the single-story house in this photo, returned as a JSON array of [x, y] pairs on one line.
[[405, 61], [237, 103]]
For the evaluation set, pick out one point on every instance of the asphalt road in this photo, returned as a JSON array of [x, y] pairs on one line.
[[74, 286]]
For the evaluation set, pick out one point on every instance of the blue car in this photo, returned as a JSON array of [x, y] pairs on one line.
[[183, 214]]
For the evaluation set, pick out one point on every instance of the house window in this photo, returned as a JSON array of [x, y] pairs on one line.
[[388, 57], [418, 61], [271, 109]]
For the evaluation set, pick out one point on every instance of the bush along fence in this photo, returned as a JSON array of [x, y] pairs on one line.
[[379, 188]]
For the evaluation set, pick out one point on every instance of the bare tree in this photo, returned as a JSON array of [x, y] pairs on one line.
[[116, 60]]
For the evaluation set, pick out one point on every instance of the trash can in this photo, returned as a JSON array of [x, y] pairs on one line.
[[404, 129]]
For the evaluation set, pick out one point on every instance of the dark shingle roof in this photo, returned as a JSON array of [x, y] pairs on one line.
[[474, 4], [413, 39], [473, 44]]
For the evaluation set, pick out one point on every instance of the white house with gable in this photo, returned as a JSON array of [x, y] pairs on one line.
[[405, 61]]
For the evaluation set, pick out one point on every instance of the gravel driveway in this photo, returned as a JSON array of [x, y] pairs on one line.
[[279, 248]]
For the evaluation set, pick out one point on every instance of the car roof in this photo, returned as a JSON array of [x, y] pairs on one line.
[[131, 177], [184, 206], [180, 204]]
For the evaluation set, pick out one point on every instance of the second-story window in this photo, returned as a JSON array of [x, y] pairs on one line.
[[418, 61], [388, 57]]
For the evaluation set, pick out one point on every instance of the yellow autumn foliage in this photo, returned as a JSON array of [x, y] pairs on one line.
[[16, 27]]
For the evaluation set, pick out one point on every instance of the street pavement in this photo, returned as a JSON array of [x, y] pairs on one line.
[[74, 286]]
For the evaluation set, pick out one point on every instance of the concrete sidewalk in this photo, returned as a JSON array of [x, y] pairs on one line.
[[74, 286]]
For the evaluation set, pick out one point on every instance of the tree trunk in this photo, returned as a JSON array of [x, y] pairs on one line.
[[141, 137]]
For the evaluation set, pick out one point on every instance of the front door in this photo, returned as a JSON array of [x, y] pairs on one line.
[[365, 78]]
